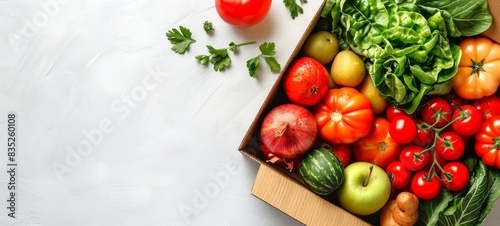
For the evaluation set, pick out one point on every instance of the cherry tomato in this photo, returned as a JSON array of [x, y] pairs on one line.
[[437, 112], [488, 106], [242, 13], [413, 158], [425, 134], [392, 111], [455, 101], [425, 186], [450, 146], [455, 177], [377, 147], [403, 129], [470, 121], [400, 176]]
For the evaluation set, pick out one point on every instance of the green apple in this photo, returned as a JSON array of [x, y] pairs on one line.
[[323, 46], [365, 190]]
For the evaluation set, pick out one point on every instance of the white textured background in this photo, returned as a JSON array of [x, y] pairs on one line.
[[115, 128]]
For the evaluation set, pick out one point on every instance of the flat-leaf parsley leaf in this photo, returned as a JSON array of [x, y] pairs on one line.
[[219, 58], [180, 39], [294, 8], [267, 51]]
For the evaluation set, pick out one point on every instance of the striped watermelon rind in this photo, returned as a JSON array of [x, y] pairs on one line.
[[322, 171]]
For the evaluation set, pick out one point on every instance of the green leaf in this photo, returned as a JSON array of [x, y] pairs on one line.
[[208, 27], [267, 48], [493, 193], [253, 65], [468, 207], [203, 59], [273, 64], [294, 8], [463, 17], [429, 211], [180, 40]]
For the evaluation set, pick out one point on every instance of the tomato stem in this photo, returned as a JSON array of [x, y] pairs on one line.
[[476, 67], [368, 177]]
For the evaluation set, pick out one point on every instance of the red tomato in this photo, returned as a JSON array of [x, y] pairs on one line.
[[400, 176], [436, 112], [242, 13], [487, 145], [450, 146], [377, 146], [413, 157], [343, 115], [392, 111], [403, 129], [470, 121], [306, 81], [455, 101], [488, 106], [456, 176], [425, 186], [425, 134], [343, 151]]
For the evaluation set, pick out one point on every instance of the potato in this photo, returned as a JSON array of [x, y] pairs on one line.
[[403, 211]]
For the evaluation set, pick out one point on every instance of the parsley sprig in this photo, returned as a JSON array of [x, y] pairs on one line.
[[294, 8], [219, 58], [208, 27], [180, 40], [267, 51]]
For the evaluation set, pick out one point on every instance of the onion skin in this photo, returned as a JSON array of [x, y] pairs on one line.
[[289, 131]]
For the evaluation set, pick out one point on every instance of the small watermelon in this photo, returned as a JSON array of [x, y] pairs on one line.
[[322, 171]]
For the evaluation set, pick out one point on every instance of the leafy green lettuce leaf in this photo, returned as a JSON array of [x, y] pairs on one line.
[[463, 17]]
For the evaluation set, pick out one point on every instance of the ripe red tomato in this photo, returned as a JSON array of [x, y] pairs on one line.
[[343, 151], [456, 176], [487, 145], [413, 158], [488, 106], [306, 81], [425, 186], [242, 13], [425, 134], [400, 176], [470, 123], [403, 129], [377, 147], [436, 112], [343, 115], [450, 146], [392, 111]]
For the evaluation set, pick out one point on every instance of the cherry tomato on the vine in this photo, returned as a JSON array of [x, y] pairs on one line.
[[470, 121], [450, 146], [413, 158], [455, 177], [399, 175], [242, 13], [403, 129], [437, 112], [392, 111], [425, 186], [425, 134]]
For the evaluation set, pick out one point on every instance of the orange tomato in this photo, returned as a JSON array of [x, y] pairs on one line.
[[479, 68], [377, 146], [343, 115]]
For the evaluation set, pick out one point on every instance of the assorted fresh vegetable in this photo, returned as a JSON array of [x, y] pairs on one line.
[[392, 102], [382, 103]]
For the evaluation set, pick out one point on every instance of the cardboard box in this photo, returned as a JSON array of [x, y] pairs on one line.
[[285, 190]]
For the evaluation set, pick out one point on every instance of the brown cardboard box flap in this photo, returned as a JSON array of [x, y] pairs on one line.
[[494, 31], [298, 201]]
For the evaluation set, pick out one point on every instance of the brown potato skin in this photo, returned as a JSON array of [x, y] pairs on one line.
[[402, 211]]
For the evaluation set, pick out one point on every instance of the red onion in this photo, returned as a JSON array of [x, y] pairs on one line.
[[289, 131]]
